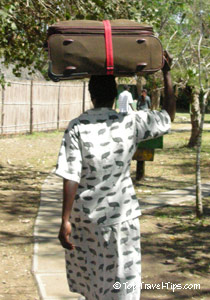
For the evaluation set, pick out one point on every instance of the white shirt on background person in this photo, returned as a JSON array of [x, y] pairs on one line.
[[125, 99]]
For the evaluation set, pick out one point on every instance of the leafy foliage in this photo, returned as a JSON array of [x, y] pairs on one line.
[[190, 60], [23, 26]]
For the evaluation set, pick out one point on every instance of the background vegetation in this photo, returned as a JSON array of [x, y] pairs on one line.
[[179, 25]]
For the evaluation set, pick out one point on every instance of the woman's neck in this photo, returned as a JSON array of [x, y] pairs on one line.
[[100, 105]]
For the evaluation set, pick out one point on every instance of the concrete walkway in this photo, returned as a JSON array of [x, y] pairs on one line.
[[48, 259]]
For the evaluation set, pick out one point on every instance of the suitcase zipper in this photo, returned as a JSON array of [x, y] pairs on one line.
[[55, 30], [102, 28], [102, 33]]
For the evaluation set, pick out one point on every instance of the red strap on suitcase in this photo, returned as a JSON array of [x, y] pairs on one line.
[[109, 47]]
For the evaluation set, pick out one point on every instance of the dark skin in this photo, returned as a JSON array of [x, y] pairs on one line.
[[169, 102], [70, 187], [69, 192], [130, 104], [144, 94]]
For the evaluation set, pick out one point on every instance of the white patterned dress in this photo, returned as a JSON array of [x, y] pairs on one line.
[[96, 152]]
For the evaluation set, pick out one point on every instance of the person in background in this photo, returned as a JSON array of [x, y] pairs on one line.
[[143, 101], [125, 100]]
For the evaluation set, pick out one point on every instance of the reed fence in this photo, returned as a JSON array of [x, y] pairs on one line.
[[29, 106]]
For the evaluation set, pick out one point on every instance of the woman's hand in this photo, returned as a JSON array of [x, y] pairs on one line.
[[65, 231]]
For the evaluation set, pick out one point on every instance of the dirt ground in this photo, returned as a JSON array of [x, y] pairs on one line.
[[175, 254], [24, 164], [175, 245]]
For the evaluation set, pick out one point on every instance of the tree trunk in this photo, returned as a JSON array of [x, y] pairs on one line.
[[195, 117], [155, 94], [140, 170], [140, 81], [199, 205], [155, 99]]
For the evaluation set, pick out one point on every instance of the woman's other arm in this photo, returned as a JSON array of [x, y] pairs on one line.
[[169, 100], [69, 192]]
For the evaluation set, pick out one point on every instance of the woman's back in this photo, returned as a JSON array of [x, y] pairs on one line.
[[99, 146]]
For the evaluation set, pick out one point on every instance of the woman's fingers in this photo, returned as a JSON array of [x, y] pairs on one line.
[[64, 234]]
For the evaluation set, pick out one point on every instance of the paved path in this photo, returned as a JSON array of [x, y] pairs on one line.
[[48, 259]]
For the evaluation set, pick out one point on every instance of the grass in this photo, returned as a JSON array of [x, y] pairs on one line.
[[187, 116], [174, 165], [46, 134]]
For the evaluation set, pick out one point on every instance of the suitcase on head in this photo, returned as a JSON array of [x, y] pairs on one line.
[[81, 48]]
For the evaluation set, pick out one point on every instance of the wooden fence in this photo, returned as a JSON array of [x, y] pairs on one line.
[[28, 106]]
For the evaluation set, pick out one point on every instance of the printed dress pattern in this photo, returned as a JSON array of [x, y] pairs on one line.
[[96, 152], [107, 261]]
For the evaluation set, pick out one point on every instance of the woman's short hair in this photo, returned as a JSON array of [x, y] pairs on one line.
[[103, 88]]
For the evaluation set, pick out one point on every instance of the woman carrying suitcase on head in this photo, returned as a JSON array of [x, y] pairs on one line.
[[100, 228]]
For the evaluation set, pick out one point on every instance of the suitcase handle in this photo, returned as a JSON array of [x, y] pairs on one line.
[[67, 42], [140, 41], [140, 67]]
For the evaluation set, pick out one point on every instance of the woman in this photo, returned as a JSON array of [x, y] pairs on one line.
[[100, 228]]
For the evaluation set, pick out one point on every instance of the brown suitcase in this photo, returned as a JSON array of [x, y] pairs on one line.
[[81, 48]]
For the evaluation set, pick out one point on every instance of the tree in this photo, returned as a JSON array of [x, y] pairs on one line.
[[23, 23], [195, 115], [204, 97], [193, 65], [23, 26]]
